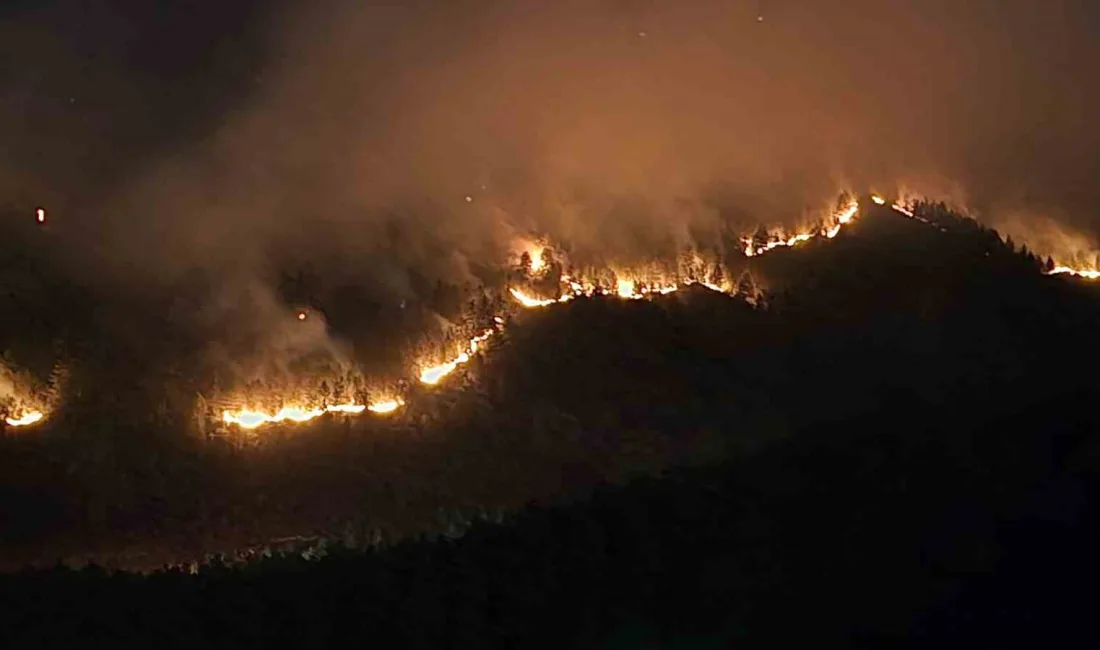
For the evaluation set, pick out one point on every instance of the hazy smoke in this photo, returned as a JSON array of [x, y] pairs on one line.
[[375, 138]]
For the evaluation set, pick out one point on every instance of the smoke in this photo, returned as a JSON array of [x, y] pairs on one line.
[[376, 138]]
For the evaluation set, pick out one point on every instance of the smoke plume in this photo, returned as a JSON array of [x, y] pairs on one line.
[[375, 138]]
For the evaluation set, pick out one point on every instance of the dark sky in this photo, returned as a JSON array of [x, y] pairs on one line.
[[176, 133]]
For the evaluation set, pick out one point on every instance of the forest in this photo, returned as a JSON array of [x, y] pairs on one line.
[[891, 444]]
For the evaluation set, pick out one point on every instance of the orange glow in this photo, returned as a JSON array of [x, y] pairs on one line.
[[27, 418], [629, 285], [537, 263], [528, 301], [900, 207], [841, 219], [432, 375], [1090, 274], [253, 418], [388, 406]]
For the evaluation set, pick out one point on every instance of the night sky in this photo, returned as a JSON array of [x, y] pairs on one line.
[[163, 131]]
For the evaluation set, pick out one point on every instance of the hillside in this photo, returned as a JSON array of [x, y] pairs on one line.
[[888, 312]]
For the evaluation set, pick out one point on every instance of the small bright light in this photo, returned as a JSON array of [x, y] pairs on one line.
[[301, 315], [40, 215], [469, 199]]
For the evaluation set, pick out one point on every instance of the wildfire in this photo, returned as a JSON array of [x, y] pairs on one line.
[[902, 208], [388, 406], [534, 251], [1090, 274], [537, 263], [627, 285], [26, 419], [625, 289], [252, 419], [434, 374], [528, 301], [842, 218]]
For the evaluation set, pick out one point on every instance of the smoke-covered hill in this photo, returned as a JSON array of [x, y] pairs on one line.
[[890, 311]]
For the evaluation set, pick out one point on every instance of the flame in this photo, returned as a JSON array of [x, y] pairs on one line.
[[842, 218], [528, 301], [26, 419], [534, 251], [301, 315], [432, 375], [252, 418], [537, 263], [625, 288], [1090, 274], [878, 199], [901, 207], [388, 406], [40, 215]]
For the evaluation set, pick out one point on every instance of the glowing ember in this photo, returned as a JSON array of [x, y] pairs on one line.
[[26, 419], [878, 199], [301, 315], [40, 215], [843, 218]]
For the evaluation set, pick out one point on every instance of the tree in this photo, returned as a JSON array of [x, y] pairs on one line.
[[717, 276]]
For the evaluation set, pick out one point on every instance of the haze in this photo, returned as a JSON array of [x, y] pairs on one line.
[[185, 135]]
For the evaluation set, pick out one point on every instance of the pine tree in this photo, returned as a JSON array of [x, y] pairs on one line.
[[717, 276], [746, 287]]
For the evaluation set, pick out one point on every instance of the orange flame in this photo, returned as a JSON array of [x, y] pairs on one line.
[[26, 419], [432, 375], [842, 218], [528, 301], [388, 406], [1090, 274], [253, 418], [625, 288]]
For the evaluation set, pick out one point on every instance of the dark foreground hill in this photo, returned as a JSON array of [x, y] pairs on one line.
[[912, 526]]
